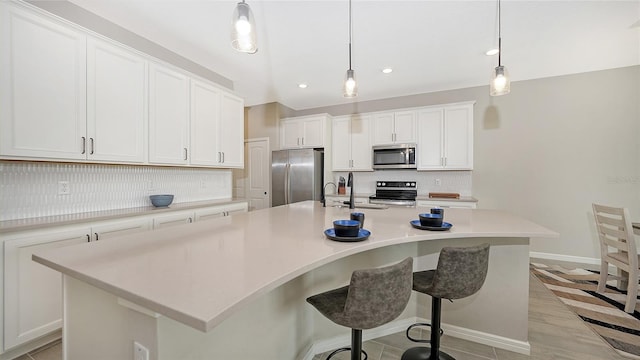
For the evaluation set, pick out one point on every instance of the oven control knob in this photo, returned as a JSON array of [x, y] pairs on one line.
[[408, 184], [413, 184], [384, 184], [379, 183]]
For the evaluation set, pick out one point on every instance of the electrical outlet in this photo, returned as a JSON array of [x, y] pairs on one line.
[[438, 182], [140, 352], [63, 188]]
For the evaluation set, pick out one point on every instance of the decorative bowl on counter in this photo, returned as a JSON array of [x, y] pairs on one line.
[[161, 200], [346, 228], [430, 219]]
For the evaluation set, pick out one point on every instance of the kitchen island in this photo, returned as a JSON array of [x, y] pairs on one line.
[[235, 287]]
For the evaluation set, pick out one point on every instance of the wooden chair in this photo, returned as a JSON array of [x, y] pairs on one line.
[[617, 248]]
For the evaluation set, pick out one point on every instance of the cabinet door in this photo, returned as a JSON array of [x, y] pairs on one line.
[[341, 146], [430, 147], [111, 229], [458, 138], [361, 155], [168, 116], [116, 103], [290, 130], [404, 127], [210, 213], [232, 131], [33, 292], [383, 129], [43, 87], [173, 219], [205, 119], [313, 130]]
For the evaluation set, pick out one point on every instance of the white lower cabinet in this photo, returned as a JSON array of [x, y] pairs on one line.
[[338, 200], [189, 216], [32, 292], [220, 211]]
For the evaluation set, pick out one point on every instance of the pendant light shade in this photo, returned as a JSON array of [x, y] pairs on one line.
[[350, 88], [243, 29], [500, 80], [350, 85]]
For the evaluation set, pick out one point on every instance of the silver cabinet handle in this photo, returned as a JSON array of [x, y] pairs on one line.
[[190, 220], [92, 144], [84, 145], [302, 141], [223, 157], [219, 157], [185, 153], [97, 237], [88, 238]]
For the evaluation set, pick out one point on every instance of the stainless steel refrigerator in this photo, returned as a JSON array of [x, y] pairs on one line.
[[296, 175]]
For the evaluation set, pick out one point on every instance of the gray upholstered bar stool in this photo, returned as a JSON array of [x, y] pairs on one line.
[[373, 298], [461, 271]]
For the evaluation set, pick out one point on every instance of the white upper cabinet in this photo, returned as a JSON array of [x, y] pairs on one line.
[[351, 146], [168, 116], [231, 131], [67, 94], [205, 121], [394, 127], [116, 103], [42, 87], [303, 132], [445, 138]]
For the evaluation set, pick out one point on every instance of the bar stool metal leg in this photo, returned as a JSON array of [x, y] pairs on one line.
[[432, 353]]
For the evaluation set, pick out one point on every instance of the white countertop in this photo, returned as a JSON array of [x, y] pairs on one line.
[[201, 273], [71, 219]]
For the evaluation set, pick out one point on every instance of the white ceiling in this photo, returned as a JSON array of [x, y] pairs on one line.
[[431, 45]]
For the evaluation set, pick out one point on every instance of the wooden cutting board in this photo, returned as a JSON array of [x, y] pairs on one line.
[[444, 195]]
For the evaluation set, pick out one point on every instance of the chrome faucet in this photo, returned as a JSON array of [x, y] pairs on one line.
[[352, 203], [324, 193]]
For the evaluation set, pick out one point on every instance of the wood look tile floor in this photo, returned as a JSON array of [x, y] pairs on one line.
[[555, 333]]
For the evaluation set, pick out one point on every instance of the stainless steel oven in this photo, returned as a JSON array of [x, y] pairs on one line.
[[398, 156], [395, 193]]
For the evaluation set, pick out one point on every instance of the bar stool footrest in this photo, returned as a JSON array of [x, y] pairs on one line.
[[366, 356], [420, 340]]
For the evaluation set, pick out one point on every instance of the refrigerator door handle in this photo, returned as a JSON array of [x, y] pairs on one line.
[[286, 183]]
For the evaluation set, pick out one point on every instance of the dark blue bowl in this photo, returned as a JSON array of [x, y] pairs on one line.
[[430, 219], [346, 228]]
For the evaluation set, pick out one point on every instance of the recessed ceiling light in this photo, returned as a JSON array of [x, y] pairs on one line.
[[387, 70], [302, 86], [492, 52]]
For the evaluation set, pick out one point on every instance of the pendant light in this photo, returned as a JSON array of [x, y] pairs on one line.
[[500, 82], [350, 88], [243, 29]]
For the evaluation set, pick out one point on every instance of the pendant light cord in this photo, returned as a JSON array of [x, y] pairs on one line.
[[350, 36], [499, 34]]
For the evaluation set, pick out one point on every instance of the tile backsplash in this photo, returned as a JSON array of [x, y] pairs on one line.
[[31, 189]]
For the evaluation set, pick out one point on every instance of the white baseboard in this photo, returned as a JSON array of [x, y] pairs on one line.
[[568, 258], [320, 346]]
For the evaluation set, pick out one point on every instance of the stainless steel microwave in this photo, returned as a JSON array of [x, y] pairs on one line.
[[398, 156]]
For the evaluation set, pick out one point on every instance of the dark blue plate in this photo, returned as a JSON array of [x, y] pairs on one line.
[[363, 234], [445, 226]]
